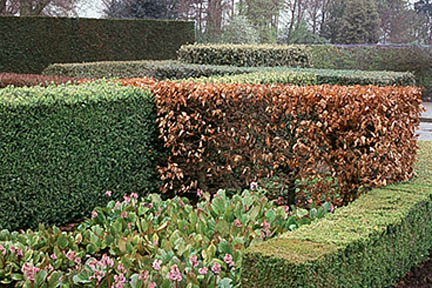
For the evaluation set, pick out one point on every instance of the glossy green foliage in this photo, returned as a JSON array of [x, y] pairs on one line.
[[141, 243], [62, 146], [29, 44]]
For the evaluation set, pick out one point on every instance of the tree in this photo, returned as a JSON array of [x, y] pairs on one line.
[[240, 31], [301, 35], [399, 22], [147, 9], [353, 22], [424, 10], [39, 7], [264, 16]]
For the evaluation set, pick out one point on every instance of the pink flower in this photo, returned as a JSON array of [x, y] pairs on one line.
[[108, 193], [2, 250], [118, 204], [193, 260], [182, 204], [130, 226], [119, 281], [253, 186], [237, 223], [332, 208], [53, 256], [70, 255], [229, 260], [143, 275], [203, 270], [77, 260], [126, 198], [13, 249], [156, 265], [121, 268], [174, 274], [107, 261], [134, 195], [286, 209], [20, 252], [151, 284], [29, 271], [200, 193], [124, 214], [94, 214], [216, 268]]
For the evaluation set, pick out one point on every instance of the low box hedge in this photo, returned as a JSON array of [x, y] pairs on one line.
[[372, 242], [306, 76], [159, 70], [63, 146]]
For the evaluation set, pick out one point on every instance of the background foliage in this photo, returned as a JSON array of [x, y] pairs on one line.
[[29, 44]]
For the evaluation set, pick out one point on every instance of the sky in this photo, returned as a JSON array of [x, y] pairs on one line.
[[91, 9]]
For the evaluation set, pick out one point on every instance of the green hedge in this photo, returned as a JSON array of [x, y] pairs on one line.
[[159, 70], [299, 76], [29, 44], [371, 243], [413, 58], [245, 55], [63, 146]]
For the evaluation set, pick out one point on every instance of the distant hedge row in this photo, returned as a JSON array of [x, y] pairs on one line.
[[306, 76], [402, 58], [160, 70], [416, 59], [29, 44], [246, 55], [63, 146]]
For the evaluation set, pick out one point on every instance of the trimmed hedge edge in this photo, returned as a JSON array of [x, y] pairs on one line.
[[371, 243]]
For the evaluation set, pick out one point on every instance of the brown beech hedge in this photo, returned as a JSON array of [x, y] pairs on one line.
[[21, 80], [338, 140]]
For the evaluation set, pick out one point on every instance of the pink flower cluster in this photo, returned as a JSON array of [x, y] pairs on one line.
[[174, 274], [216, 268], [193, 260], [98, 267], [29, 271], [229, 260], [2, 250], [265, 231]]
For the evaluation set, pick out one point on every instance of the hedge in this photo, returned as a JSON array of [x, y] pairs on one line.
[[63, 146], [21, 80], [245, 55], [229, 135], [373, 242], [306, 76], [413, 58], [159, 70], [29, 44]]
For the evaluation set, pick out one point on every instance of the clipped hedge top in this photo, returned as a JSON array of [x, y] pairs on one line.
[[164, 69], [67, 94], [365, 219], [309, 76]]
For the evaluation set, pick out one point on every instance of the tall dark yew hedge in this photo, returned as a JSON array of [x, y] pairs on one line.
[[29, 44]]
